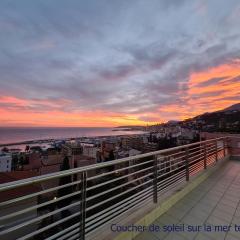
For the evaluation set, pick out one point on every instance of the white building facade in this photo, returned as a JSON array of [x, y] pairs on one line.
[[5, 162]]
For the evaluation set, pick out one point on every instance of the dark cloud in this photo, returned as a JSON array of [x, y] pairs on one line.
[[232, 80], [117, 73], [212, 81], [120, 56], [217, 92]]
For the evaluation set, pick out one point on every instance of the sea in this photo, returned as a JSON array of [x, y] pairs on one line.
[[10, 135]]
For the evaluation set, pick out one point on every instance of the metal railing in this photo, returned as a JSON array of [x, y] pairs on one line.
[[71, 204]]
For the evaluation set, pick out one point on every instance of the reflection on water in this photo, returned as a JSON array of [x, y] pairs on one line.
[[12, 135]]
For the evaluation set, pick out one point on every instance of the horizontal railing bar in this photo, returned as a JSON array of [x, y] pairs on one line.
[[126, 208], [163, 190], [175, 164], [210, 144], [34, 180], [211, 148], [118, 170], [140, 204], [14, 214], [75, 237], [117, 187], [172, 165], [211, 152], [163, 183], [201, 158], [148, 192], [117, 179], [75, 231], [172, 155], [196, 152], [198, 159], [172, 168], [116, 204], [29, 222], [167, 177], [121, 209], [162, 175], [171, 160], [169, 184], [49, 226], [58, 234], [66, 236], [118, 195], [166, 167], [197, 147], [38, 193]]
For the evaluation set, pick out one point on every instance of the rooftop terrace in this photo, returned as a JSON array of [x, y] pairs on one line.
[[194, 184], [214, 202]]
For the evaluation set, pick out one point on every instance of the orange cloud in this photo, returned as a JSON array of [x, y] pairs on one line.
[[220, 71], [218, 94], [9, 116], [210, 90]]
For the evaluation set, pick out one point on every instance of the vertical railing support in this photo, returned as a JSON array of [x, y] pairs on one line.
[[216, 151], [205, 156], [224, 147], [83, 205], [187, 163], [155, 180]]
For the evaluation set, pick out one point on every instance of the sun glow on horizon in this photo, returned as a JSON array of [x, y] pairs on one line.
[[202, 95]]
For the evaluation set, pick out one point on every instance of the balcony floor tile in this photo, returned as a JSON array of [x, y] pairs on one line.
[[214, 202]]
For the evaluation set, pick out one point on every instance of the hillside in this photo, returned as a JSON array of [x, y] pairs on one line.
[[226, 120], [235, 107]]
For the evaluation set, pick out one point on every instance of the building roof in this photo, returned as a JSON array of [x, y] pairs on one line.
[[21, 191]]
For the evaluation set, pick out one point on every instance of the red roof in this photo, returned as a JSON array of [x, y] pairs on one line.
[[20, 191]]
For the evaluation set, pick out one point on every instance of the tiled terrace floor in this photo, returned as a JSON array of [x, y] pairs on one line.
[[215, 202]]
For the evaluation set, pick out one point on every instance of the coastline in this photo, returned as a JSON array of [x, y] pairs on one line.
[[48, 141]]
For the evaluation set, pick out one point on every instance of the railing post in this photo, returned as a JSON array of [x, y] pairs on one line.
[[155, 175], [187, 163], [216, 150], [224, 147], [205, 156], [83, 206]]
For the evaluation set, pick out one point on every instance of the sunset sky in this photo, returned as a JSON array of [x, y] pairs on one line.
[[116, 62]]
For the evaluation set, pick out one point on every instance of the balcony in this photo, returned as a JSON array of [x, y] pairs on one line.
[[193, 184]]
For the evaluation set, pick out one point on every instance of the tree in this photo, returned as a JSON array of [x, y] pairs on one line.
[[27, 148], [5, 149], [111, 156]]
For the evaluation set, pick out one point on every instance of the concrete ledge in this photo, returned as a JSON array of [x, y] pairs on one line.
[[168, 202]]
